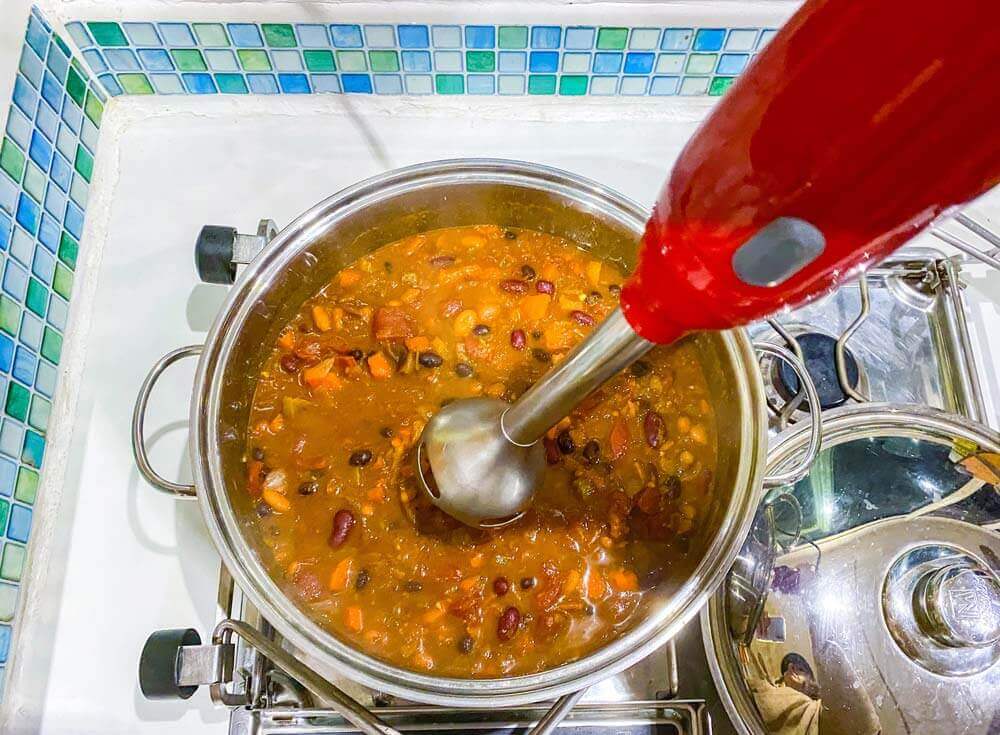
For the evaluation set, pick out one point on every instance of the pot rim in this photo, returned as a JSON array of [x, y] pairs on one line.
[[306, 635]]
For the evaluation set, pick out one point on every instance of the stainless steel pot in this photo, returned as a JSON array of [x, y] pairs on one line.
[[305, 256]]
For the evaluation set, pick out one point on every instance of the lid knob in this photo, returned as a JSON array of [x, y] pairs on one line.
[[959, 605]]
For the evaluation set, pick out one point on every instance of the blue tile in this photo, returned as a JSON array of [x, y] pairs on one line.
[[176, 34], [8, 194], [245, 35], [48, 232], [546, 36], [446, 36], [47, 121], [294, 83], [580, 37], [52, 91], [546, 61], [40, 151], [5, 226], [380, 36], [79, 34], [480, 37], [11, 438], [142, 34], [57, 62], [8, 477], [28, 213], [15, 280], [512, 61], [25, 362], [732, 63], [480, 84], [22, 247], [388, 84], [356, 83], [31, 67], [416, 60], [72, 115], [167, 83], [34, 450], [662, 86], [312, 35], [676, 39], [329, 83], [639, 63], [58, 312], [36, 36], [412, 36], [31, 331], [74, 220], [55, 205], [18, 529], [262, 83], [78, 192], [6, 353], [607, 63], [19, 128], [156, 59], [199, 83], [709, 39], [121, 59], [43, 266], [95, 60], [346, 36], [5, 636], [111, 84], [45, 379], [24, 96]]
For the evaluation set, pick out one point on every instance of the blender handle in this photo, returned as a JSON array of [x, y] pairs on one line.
[[139, 452], [801, 469]]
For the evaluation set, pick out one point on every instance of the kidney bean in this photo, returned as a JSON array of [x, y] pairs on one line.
[[518, 339], [582, 317], [592, 451], [466, 643], [343, 522], [290, 363], [565, 442], [430, 359], [652, 428], [442, 261], [545, 287], [360, 458], [362, 579], [527, 272], [501, 586], [514, 285], [508, 623], [527, 583], [552, 453], [481, 330]]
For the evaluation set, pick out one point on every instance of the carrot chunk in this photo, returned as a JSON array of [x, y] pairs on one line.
[[353, 619], [379, 366], [341, 575]]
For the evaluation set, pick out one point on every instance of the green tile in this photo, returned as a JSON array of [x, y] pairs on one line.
[[94, 108], [12, 563], [542, 84], [69, 249], [231, 83], [11, 159], [279, 35], [18, 398], [62, 44], [352, 61], [26, 488], [254, 59], [211, 34], [4, 513], [51, 345], [188, 59], [719, 85], [84, 163], [37, 298], [480, 61], [384, 60], [449, 84], [75, 86], [612, 38], [107, 34], [135, 83], [574, 85], [62, 281], [701, 63], [34, 182], [319, 60], [513, 37], [38, 414], [10, 316]]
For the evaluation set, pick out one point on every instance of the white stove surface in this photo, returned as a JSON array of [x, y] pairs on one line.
[[123, 560]]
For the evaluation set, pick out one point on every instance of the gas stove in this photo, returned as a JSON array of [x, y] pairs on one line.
[[898, 335]]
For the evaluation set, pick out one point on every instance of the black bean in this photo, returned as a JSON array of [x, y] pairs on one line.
[[536, 333], [388, 266], [363, 578], [465, 644], [481, 330], [639, 368], [614, 289], [527, 272], [593, 297], [565, 442], [527, 583], [541, 355], [357, 354], [592, 451], [671, 486], [257, 454], [430, 359], [385, 432], [263, 510], [308, 488], [463, 370], [413, 585], [510, 235], [360, 458]]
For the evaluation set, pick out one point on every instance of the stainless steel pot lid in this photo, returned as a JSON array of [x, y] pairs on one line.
[[867, 598]]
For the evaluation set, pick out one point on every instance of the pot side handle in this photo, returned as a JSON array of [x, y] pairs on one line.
[[139, 418]]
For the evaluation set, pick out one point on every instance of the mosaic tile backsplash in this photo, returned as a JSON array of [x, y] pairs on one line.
[[303, 58], [46, 162]]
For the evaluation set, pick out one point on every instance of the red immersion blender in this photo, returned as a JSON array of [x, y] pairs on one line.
[[855, 127]]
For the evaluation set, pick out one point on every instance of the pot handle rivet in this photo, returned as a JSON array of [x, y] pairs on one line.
[[801, 469], [139, 419]]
